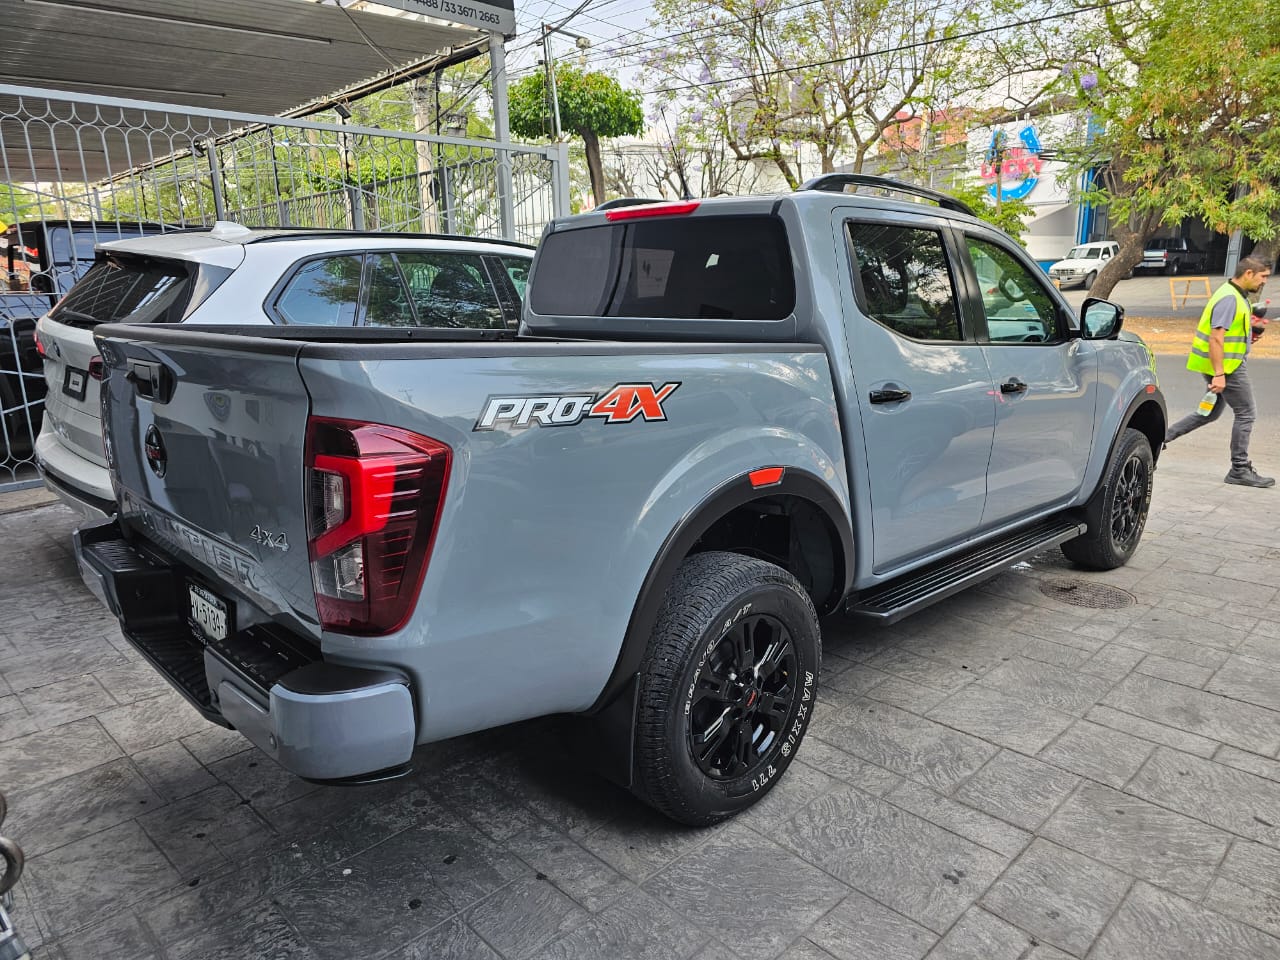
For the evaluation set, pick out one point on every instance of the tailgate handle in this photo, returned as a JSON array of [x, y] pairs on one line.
[[151, 380]]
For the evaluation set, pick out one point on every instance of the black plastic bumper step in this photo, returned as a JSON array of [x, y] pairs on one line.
[[891, 601]]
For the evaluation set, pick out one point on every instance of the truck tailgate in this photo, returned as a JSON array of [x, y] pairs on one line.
[[206, 447]]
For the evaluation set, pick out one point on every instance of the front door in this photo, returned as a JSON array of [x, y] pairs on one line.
[[924, 391], [1046, 385]]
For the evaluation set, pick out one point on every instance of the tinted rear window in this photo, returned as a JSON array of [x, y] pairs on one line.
[[132, 289], [733, 267]]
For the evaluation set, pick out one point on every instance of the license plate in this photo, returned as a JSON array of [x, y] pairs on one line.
[[209, 616], [74, 383]]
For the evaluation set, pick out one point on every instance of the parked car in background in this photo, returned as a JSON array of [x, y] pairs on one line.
[[1083, 263], [1173, 255], [42, 261], [233, 275]]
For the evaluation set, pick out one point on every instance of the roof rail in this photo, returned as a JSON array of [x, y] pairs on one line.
[[624, 202], [836, 182]]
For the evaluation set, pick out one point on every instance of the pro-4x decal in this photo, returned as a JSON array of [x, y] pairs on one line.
[[621, 403]]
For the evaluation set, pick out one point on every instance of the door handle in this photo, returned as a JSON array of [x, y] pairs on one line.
[[1013, 385], [890, 396]]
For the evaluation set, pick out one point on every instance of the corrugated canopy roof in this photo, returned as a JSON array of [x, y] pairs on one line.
[[265, 57]]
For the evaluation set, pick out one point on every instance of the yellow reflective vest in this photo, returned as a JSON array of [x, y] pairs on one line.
[[1236, 343]]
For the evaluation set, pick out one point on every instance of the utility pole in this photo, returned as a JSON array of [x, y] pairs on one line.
[[547, 61]]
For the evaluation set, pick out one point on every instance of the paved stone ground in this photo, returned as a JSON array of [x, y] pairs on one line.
[[1005, 776]]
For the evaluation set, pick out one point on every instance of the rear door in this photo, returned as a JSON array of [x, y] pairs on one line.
[[206, 438], [1045, 383], [924, 390]]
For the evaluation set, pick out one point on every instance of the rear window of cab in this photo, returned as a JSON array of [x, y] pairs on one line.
[[730, 267]]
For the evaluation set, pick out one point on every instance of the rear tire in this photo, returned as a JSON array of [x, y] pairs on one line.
[[1171, 268], [727, 687], [1117, 512]]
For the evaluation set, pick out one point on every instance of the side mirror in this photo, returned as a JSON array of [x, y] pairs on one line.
[[1101, 319]]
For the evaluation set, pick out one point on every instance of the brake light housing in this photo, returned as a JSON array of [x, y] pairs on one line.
[[375, 495], [95, 368], [641, 211], [35, 334]]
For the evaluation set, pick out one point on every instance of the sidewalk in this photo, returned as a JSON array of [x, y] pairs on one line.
[[1054, 765]]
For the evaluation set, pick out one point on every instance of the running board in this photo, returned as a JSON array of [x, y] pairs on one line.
[[904, 595]]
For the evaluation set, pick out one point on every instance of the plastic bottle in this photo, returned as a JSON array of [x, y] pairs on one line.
[[1207, 403]]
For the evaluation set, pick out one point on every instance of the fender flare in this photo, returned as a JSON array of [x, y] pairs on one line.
[[1144, 398], [728, 496]]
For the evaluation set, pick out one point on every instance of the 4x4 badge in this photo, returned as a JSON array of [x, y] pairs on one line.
[[276, 541]]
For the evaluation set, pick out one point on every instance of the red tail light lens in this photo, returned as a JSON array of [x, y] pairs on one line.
[[39, 346], [95, 368], [641, 211], [374, 498]]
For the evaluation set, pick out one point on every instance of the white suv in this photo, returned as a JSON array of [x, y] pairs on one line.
[[1083, 264], [232, 275]]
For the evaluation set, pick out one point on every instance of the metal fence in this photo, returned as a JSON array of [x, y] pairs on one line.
[[121, 167]]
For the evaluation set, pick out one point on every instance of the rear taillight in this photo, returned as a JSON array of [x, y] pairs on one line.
[[374, 498], [40, 346], [95, 368]]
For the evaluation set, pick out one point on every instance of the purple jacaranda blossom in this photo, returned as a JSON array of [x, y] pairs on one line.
[[761, 4], [1089, 81], [742, 131], [736, 63]]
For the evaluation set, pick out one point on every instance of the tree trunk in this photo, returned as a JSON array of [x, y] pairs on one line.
[[1266, 250], [1132, 238], [594, 166]]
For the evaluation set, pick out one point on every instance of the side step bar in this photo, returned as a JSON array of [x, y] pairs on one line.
[[889, 602]]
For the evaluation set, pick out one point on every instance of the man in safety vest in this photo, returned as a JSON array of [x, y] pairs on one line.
[[1219, 351]]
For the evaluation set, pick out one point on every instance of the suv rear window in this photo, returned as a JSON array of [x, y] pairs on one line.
[[731, 267], [119, 288]]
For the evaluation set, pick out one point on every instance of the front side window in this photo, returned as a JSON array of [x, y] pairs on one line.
[[903, 280], [1017, 307], [323, 293], [451, 290]]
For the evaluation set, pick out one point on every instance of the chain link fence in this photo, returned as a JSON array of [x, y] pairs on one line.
[[77, 169]]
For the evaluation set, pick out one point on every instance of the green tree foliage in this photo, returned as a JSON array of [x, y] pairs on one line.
[[592, 106], [1011, 216], [1184, 97]]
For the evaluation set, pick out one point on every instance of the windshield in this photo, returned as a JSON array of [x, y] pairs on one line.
[[1082, 253]]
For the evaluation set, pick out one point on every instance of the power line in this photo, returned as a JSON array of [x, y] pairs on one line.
[[887, 50]]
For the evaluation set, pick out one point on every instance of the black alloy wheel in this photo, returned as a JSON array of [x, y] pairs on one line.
[[1128, 509], [743, 696]]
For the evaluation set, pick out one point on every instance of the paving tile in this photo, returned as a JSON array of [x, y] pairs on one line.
[[1248, 679], [213, 743], [149, 723], [172, 771], [1048, 685], [492, 809], [1232, 799], [1113, 662], [451, 940], [637, 927], [260, 779], [1218, 589], [906, 695], [1058, 896], [857, 680], [1140, 838], [901, 860], [983, 829], [206, 830], [1248, 886], [964, 644], [1098, 753], [1001, 718], [800, 785], [39, 758], [1187, 651], [563, 861], [763, 909], [1017, 789], [398, 890], [1154, 925], [931, 673], [121, 938], [75, 807], [66, 700], [40, 666], [1261, 646], [91, 880], [132, 681], [1059, 654], [642, 841], [860, 928], [523, 916], [1175, 671], [260, 931], [1244, 760], [801, 950], [834, 762], [904, 743], [980, 936], [1196, 711], [1153, 732]]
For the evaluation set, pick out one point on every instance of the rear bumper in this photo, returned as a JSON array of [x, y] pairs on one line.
[[320, 720], [80, 484]]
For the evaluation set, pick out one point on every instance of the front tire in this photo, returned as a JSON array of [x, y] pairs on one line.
[[1117, 512], [727, 687], [1088, 280]]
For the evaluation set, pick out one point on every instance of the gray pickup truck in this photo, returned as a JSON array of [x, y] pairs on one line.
[[718, 421]]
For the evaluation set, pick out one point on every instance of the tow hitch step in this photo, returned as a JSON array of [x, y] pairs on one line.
[[891, 601]]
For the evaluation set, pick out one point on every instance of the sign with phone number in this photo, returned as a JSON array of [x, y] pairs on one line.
[[497, 16]]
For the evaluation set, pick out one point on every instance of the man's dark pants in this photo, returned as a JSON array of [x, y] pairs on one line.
[[1238, 395]]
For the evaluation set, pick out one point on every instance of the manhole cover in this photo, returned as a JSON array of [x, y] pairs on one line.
[[1086, 593]]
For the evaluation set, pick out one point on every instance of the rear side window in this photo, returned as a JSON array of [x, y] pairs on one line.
[[451, 290], [132, 289], [731, 267], [323, 293], [903, 280], [518, 270]]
